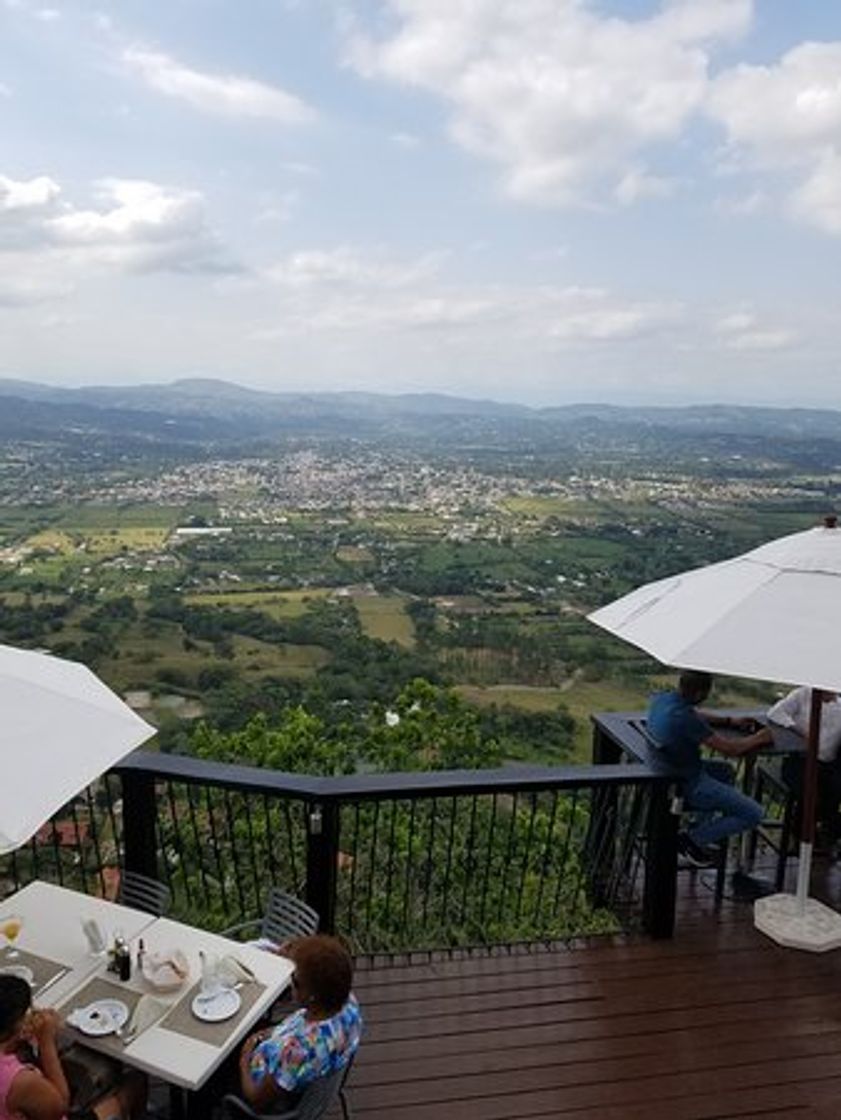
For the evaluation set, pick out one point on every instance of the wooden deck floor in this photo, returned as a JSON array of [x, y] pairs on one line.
[[718, 1023]]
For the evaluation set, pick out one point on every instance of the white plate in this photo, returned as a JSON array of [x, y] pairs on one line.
[[217, 1008], [103, 1016], [19, 970]]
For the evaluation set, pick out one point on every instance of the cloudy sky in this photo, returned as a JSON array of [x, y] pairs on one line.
[[536, 200]]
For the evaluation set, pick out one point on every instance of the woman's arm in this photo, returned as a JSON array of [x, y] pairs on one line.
[[45, 1026], [260, 1090], [32, 1095]]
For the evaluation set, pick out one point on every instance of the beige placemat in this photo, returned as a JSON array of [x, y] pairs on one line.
[[182, 1020], [99, 988], [44, 970]]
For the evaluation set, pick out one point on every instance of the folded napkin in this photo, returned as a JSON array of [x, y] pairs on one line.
[[147, 1012], [231, 970]]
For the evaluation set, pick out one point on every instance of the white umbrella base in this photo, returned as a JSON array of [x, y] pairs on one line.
[[810, 926]]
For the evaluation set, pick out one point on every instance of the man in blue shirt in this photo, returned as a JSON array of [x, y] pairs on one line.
[[679, 731]]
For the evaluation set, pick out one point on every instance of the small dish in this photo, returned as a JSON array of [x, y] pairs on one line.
[[20, 970], [217, 1007], [103, 1016]]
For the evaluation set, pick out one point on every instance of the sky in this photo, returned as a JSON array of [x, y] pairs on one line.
[[544, 201]]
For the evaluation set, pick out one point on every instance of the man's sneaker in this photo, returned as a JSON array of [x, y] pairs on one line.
[[696, 854]]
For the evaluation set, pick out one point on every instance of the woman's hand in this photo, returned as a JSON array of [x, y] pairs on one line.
[[44, 1026], [250, 1045]]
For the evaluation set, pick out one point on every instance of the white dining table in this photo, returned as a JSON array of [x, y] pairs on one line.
[[175, 1057], [53, 928]]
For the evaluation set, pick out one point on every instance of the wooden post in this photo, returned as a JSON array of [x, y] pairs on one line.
[[322, 861], [600, 841], [660, 889], [139, 839]]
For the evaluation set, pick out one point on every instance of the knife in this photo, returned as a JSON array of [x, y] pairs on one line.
[[49, 983], [248, 972]]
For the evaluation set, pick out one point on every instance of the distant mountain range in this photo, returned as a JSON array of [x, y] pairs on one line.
[[205, 410]]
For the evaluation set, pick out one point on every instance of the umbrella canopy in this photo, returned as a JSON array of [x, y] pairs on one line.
[[770, 614], [62, 728]]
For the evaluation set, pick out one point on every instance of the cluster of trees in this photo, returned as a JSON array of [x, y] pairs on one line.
[[28, 622]]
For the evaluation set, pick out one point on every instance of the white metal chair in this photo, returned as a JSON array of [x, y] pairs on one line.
[[312, 1104], [141, 892], [284, 917]]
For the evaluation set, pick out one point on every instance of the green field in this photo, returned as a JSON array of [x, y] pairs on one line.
[[276, 604], [384, 617]]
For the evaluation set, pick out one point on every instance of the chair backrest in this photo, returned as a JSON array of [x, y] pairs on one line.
[[287, 916], [320, 1094], [313, 1103], [142, 893]]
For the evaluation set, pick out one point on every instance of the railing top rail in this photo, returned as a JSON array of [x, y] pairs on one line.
[[405, 785]]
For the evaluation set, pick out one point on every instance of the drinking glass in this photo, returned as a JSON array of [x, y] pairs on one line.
[[10, 927]]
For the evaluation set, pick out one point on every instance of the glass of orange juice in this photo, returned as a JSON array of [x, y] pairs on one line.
[[10, 927]]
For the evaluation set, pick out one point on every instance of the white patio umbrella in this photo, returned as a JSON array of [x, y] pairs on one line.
[[61, 728], [770, 614]]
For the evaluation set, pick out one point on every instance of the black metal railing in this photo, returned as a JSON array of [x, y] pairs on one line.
[[390, 861]]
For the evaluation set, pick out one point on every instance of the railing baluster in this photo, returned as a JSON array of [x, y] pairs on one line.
[[430, 859], [544, 861], [469, 861], [252, 849], [509, 849], [174, 815], [269, 846], [488, 862], [220, 870], [232, 838], [445, 892], [80, 850], [198, 841], [95, 839], [57, 852], [372, 869], [390, 861], [291, 834], [410, 851], [33, 845], [526, 857], [562, 866], [354, 855], [163, 841]]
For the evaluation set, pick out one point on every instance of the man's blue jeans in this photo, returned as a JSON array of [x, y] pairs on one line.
[[713, 792]]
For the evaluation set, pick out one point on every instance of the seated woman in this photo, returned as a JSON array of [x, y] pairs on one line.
[[40, 1091], [277, 1064]]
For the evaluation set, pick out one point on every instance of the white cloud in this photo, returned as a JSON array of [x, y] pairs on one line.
[[48, 245], [5, 90], [741, 330], [229, 95], [27, 194], [350, 267], [142, 226], [742, 205], [406, 140], [787, 118], [349, 291], [636, 184], [560, 97]]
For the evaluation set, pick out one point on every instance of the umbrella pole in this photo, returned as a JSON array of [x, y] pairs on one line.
[[809, 801]]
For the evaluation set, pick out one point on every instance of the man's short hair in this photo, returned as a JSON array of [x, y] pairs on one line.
[[693, 685]]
